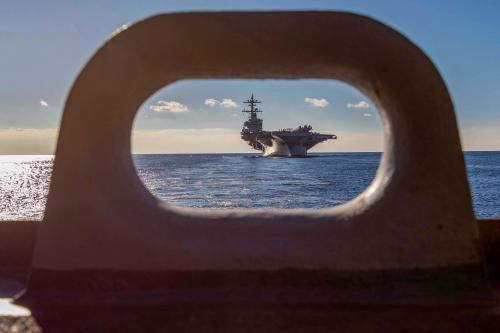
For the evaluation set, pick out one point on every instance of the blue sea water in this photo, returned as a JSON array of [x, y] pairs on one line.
[[252, 181], [483, 170], [228, 181]]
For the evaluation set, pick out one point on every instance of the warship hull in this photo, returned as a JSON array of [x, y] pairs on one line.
[[287, 144], [285, 151]]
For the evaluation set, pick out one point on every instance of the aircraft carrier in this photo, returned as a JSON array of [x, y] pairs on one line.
[[285, 142]]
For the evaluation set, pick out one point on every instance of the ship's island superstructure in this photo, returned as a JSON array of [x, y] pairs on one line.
[[284, 142]]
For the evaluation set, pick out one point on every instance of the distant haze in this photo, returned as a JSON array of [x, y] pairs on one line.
[[216, 140], [42, 142]]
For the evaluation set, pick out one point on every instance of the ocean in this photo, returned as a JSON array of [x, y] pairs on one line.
[[228, 181]]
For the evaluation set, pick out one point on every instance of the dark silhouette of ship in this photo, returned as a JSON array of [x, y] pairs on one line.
[[285, 142]]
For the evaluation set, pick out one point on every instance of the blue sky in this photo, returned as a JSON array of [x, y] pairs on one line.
[[45, 44], [205, 115]]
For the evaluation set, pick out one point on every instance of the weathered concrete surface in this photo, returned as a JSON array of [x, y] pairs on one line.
[[17, 241], [10, 324], [417, 213], [490, 244], [286, 319], [16, 248]]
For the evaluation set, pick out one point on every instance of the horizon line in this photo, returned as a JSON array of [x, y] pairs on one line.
[[228, 153]]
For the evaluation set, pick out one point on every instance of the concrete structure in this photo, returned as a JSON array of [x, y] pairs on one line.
[[409, 239]]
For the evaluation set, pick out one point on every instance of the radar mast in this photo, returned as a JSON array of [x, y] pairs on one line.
[[252, 103]]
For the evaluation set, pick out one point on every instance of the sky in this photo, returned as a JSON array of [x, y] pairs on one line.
[[45, 44], [205, 115]]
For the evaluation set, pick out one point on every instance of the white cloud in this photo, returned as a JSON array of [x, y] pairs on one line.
[[225, 103], [317, 102], [211, 102], [44, 104], [359, 105], [367, 114], [169, 106], [228, 103]]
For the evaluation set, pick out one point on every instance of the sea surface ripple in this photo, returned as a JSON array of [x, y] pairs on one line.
[[228, 181]]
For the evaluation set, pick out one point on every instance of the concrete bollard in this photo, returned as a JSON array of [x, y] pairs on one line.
[[410, 239]]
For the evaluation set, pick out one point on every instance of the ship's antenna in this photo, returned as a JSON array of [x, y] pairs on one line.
[[252, 103]]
